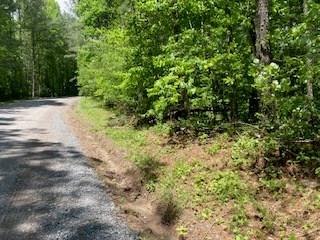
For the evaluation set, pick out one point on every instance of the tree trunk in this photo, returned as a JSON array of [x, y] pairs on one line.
[[309, 61], [262, 30], [33, 64], [262, 50], [33, 81]]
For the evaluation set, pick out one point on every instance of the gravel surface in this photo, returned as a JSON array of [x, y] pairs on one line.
[[47, 189]]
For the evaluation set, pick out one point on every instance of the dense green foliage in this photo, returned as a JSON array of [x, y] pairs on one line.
[[36, 58], [205, 64]]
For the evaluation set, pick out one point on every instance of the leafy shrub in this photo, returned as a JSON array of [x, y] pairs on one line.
[[228, 185], [300, 120], [101, 65], [246, 151]]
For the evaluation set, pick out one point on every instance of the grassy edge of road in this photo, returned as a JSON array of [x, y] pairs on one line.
[[6, 102], [199, 190]]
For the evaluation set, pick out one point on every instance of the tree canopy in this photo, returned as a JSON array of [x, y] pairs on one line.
[[36, 56], [205, 63]]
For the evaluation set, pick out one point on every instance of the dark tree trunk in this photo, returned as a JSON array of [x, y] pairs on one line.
[[254, 104]]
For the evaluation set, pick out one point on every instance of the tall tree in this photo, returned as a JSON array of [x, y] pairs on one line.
[[9, 59], [309, 61], [263, 52], [35, 52]]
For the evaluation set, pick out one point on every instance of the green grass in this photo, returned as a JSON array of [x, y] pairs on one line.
[[173, 179], [108, 122], [221, 185], [239, 219], [267, 218], [275, 186]]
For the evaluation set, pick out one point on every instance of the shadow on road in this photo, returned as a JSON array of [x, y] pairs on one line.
[[31, 189], [32, 104]]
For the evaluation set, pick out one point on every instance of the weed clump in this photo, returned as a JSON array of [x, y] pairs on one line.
[[239, 219], [275, 186], [246, 151], [228, 185], [214, 149], [169, 208], [148, 166], [182, 232], [267, 219]]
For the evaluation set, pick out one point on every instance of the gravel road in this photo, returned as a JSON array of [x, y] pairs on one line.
[[47, 189]]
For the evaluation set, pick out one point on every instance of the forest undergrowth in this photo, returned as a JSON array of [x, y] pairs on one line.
[[214, 185]]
